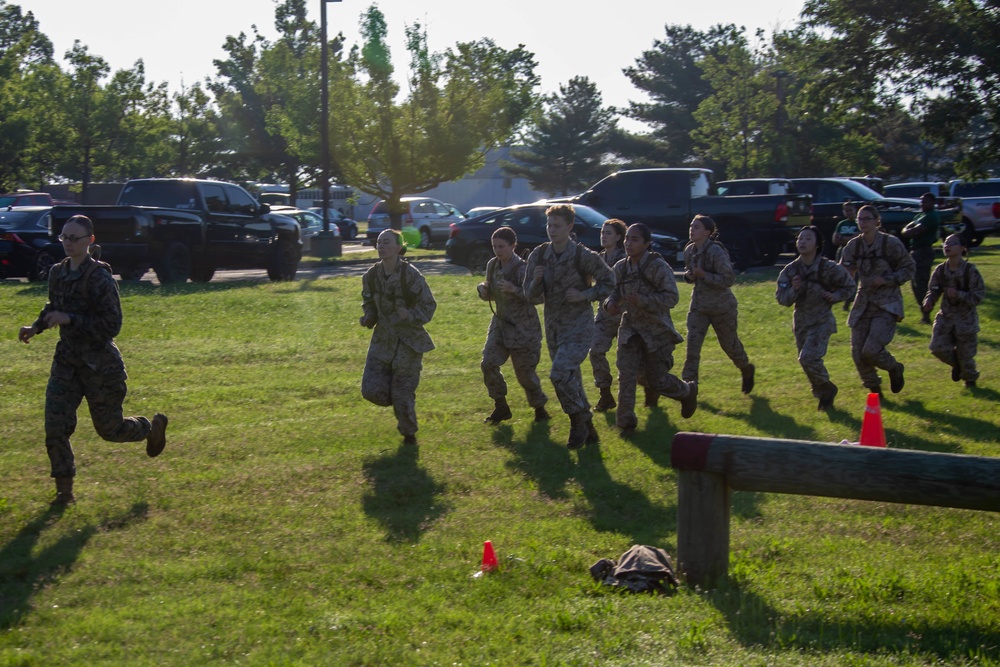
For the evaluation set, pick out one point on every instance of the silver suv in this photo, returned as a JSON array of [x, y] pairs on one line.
[[431, 217]]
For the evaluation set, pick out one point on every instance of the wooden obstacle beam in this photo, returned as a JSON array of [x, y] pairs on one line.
[[710, 467]]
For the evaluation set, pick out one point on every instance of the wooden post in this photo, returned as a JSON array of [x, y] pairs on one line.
[[711, 465]]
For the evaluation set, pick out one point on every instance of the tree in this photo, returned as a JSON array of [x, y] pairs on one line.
[[671, 75], [565, 147], [461, 103], [194, 141]]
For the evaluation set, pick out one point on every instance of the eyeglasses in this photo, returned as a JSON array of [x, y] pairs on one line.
[[72, 239]]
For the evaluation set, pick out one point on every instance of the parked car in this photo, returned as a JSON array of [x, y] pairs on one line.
[[348, 228], [24, 235], [470, 242], [754, 186], [829, 195], [981, 204], [26, 199], [310, 223], [431, 218], [477, 211], [455, 211]]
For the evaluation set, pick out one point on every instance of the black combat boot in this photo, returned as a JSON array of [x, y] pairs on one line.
[[748, 378], [541, 414], [689, 404], [157, 438], [64, 491], [501, 412], [592, 435], [606, 402], [577, 432]]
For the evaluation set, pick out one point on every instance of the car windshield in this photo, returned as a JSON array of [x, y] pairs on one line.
[[862, 191], [12, 219], [7, 201], [589, 216], [160, 194]]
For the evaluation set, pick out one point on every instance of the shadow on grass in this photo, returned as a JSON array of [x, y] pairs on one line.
[[403, 497], [757, 624], [619, 508], [547, 463], [23, 573]]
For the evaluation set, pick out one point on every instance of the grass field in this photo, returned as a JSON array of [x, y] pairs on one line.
[[286, 525]]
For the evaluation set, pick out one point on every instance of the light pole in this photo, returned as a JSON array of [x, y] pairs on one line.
[[326, 244]]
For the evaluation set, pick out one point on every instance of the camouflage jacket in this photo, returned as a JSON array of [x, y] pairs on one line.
[[823, 275], [383, 297], [711, 294], [652, 281], [610, 258], [515, 318], [961, 310], [89, 295], [565, 272], [886, 257]]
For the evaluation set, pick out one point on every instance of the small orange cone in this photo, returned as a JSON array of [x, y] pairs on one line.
[[489, 558], [872, 433]]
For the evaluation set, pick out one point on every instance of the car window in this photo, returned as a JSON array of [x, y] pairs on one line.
[[215, 198], [441, 209], [240, 200], [161, 194], [979, 189]]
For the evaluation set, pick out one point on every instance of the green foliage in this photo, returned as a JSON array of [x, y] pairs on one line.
[[565, 148], [285, 524]]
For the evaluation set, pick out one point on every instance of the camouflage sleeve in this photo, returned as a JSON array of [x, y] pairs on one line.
[[977, 288], [423, 310], [104, 322], [368, 296], [614, 299], [604, 278], [841, 282], [719, 271], [663, 293], [903, 265], [934, 289], [518, 277], [784, 292], [847, 256], [534, 290]]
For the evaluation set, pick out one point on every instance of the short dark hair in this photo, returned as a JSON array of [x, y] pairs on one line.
[[505, 234], [643, 230], [564, 211], [816, 233]]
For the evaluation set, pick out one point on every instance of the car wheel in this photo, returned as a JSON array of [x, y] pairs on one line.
[[350, 233], [174, 264], [425, 238], [477, 258], [741, 250], [202, 274], [284, 262], [43, 264], [130, 273]]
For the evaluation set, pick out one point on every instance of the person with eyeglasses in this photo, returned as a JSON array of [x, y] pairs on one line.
[[881, 264], [85, 305]]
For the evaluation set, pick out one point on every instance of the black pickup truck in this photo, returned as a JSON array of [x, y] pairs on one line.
[[187, 228], [755, 228]]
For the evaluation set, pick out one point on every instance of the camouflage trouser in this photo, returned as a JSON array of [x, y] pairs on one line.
[[812, 343], [923, 258], [524, 361], [605, 331], [105, 393], [394, 382], [635, 360], [869, 338], [567, 350], [950, 346], [724, 325]]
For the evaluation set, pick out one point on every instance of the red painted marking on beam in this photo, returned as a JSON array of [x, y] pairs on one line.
[[689, 451]]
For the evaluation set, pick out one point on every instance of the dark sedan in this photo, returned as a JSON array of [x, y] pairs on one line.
[[469, 244], [25, 251]]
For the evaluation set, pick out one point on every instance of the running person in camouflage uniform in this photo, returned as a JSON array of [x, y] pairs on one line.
[[813, 283], [514, 333], [562, 272], [880, 264], [605, 324], [645, 291], [707, 265], [960, 287], [84, 304], [398, 303]]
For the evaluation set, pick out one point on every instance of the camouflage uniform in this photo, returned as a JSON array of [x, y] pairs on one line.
[[605, 330], [514, 333], [569, 327], [647, 337], [813, 321], [876, 309], [712, 303], [87, 363], [395, 354], [954, 338]]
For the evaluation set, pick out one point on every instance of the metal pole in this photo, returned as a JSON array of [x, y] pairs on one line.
[[325, 128]]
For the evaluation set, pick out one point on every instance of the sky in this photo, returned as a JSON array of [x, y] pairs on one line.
[[177, 40]]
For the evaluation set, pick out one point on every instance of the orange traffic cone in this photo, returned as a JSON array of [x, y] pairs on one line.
[[489, 558], [872, 433]]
